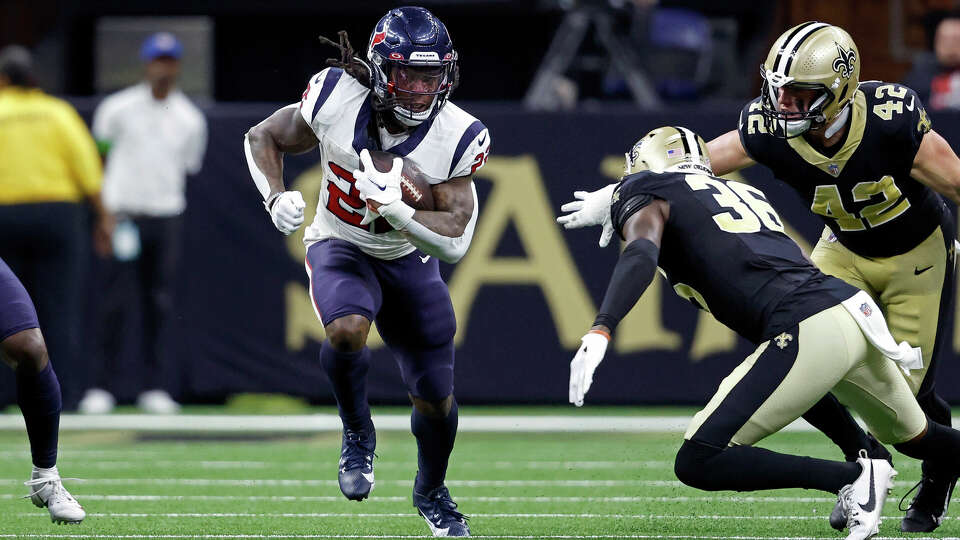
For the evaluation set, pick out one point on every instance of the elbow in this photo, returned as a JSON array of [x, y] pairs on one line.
[[452, 256]]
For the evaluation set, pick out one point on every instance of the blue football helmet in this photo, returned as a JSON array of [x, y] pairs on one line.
[[413, 66]]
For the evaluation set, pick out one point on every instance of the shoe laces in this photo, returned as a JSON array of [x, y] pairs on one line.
[[850, 507], [440, 507], [356, 452], [927, 499], [58, 493]]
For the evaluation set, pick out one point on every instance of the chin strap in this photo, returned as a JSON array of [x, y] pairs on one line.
[[841, 121]]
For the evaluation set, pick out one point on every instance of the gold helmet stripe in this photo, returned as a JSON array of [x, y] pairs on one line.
[[793, 44]]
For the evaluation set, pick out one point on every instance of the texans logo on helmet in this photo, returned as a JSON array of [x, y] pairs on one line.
[[378, 37]]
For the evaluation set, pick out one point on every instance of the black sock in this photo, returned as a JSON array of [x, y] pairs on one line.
[[347, 372], [748, 468], [435, 437], [936, 408], [38, 395], [834, 420], [938, 448]]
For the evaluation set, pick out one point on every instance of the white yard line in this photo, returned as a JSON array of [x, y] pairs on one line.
[[492, 499], [412, 515], [308, 423], [503, 536]]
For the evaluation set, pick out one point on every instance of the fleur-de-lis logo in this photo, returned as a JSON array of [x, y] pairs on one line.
[[843, 64], [783, 339]]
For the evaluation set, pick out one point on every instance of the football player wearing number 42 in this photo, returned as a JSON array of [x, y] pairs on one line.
[[722, 246], [863, 156], [370, 255]]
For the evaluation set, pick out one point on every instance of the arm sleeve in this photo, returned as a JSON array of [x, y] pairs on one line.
[[634, 271], [81, 151], [447, 249]]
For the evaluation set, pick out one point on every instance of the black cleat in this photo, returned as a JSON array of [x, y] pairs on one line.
[[875, 450], [929, 506], [440, 513], [356, 463]]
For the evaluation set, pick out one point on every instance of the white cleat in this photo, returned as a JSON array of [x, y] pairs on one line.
[[46, 490], [862, 501], [97, 401], [157, 402]]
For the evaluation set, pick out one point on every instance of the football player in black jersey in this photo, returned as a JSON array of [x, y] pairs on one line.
[[863, 156], [722, 246]]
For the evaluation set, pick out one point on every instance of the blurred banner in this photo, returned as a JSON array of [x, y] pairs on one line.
[[524, 294]]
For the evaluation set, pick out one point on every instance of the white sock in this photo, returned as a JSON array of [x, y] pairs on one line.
[[40, 472]]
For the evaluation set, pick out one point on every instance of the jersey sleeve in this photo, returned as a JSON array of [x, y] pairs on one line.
[[634, 193], [316, 106], [753, 132], [471, 152], [918, 124]]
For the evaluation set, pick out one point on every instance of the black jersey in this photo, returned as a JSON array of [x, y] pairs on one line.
[[724, 249], [864, 191]]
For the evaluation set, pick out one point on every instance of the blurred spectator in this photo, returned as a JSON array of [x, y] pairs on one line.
[[936, 76], [152, 137], [48, 169]]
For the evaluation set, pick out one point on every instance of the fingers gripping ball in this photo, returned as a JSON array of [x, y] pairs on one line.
[[414, 184]]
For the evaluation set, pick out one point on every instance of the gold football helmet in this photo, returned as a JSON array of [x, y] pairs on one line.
[[813, 56], [669, 149]]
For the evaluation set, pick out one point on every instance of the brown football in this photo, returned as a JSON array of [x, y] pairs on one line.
[[413, 182]]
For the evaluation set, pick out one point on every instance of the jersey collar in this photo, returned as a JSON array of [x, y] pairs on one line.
[[834, 165]]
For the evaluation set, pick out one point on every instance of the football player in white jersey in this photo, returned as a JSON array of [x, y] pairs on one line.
[[384, 269]]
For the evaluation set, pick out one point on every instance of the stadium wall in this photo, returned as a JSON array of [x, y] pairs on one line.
[[524, 294]]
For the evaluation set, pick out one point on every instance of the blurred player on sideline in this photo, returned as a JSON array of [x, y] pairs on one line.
[[386, 269], [151, 136]]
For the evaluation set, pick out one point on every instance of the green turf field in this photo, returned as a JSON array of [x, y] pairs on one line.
[[570, 485]]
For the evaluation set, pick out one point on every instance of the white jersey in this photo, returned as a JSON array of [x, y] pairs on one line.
[[338, 108]]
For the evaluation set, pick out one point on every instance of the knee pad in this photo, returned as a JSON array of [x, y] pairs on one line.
[[691, 464], [434, 384]]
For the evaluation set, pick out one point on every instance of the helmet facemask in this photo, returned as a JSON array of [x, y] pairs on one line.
[[413, 65], [789, 124]]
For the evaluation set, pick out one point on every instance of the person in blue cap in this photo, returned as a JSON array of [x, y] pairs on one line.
[[151, 136]]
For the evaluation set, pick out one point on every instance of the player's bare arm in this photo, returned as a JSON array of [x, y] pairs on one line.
[[283, 132], [455, 203], [727, 154], [937, 166]]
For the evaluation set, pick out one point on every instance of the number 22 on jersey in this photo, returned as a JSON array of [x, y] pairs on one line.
[[750, 210]]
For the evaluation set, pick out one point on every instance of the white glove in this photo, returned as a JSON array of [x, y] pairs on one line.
[[286, 211], [383, 187], [584, 363], [590, 208]]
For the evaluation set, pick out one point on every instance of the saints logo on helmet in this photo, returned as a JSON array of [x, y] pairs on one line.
[[811, 56], [669, 149]]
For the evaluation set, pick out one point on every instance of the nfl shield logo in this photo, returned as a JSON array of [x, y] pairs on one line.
[[834, 169], [865, 309]]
